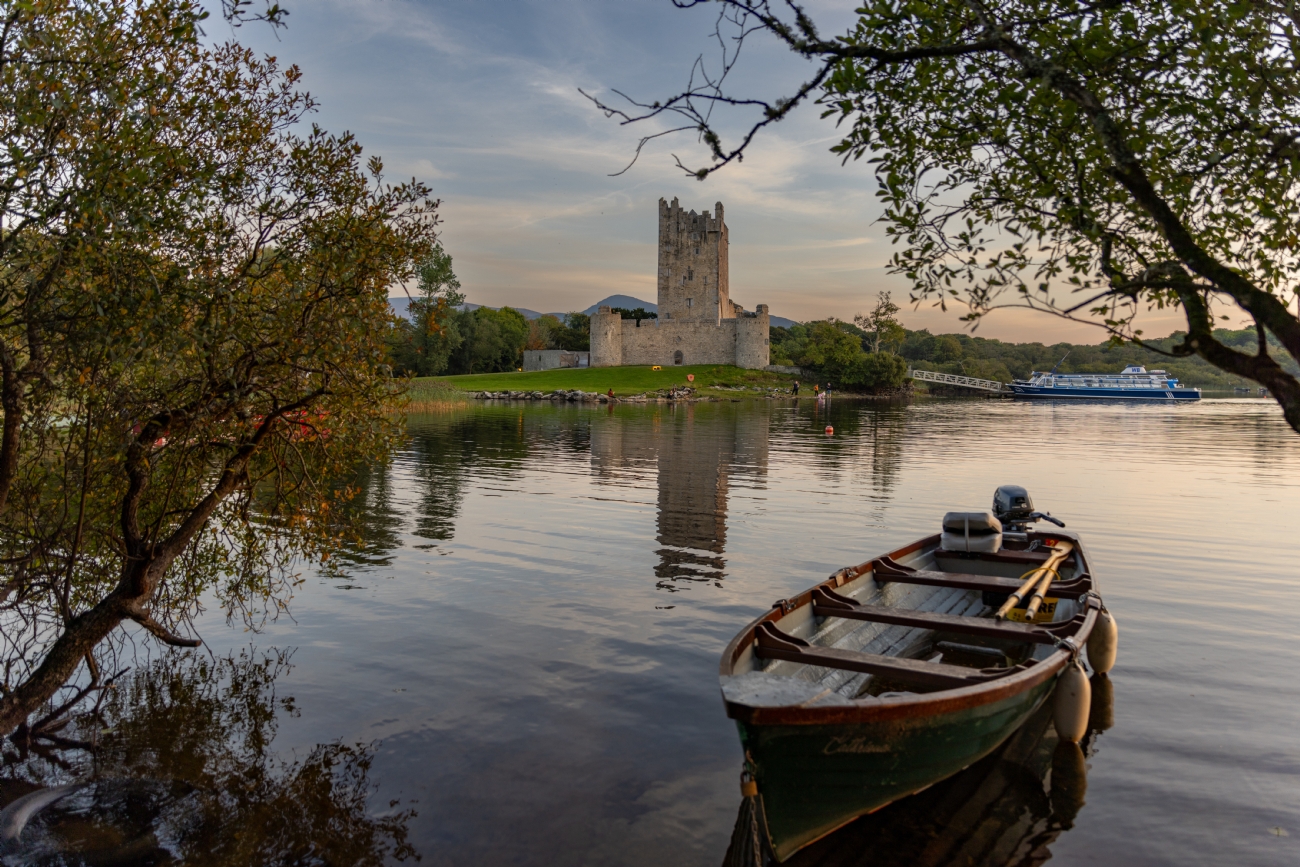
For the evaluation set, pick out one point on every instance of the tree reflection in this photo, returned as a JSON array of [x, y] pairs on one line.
[[179, 765]]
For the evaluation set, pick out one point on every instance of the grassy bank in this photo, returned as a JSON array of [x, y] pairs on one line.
[[724, 379]]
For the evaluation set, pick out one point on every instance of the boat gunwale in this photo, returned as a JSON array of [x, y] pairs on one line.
[[878, 709]]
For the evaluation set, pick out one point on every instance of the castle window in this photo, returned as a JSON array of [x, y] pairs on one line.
[[690, 273], [697, 251], [690, 302]]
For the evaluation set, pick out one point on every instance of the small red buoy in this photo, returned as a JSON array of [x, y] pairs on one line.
[[830, 431]]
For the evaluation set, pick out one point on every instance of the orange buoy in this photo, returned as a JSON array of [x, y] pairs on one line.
[[830, 431], [690, 377]]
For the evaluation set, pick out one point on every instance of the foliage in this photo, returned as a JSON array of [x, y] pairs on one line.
[[188, 743], [638, 314], [881, 325], [193, 307], [836, 352], [1061, 155], [492, 340], [548, 331], [422, 344], [994, 359]]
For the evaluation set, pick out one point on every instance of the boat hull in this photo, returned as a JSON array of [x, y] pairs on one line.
[[816, 778], [1059, 392]]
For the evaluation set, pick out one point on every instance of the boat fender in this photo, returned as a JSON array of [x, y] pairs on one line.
[[1103, 643], [830, 431], [1101, 716], [1072, 703]]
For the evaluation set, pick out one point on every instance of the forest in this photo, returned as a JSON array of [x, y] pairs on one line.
[[986, 358]]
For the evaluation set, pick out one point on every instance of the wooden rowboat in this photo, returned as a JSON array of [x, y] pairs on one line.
[[895, 674]]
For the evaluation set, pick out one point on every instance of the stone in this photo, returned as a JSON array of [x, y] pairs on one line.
[[699, 323]]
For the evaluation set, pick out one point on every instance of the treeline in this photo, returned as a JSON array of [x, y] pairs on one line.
[[994, 359], [441, 337], [834, 350]]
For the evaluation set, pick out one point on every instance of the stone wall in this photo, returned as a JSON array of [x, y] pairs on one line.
[[693, 250], [742, 341], [698, 322], [550, 359]]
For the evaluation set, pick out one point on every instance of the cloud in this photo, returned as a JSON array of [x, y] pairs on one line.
[[481, 101]]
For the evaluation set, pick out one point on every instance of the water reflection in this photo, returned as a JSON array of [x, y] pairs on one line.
[[1004, 811], [178, 764], [697, 453]]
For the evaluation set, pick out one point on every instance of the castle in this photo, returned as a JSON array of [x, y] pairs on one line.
[[698, 322]]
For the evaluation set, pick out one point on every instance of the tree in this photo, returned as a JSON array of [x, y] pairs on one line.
[[880, 324], [636, 315], [575, 335], [193, 306], [1132, 154], [423, 344], [494, 340], [188, 741]]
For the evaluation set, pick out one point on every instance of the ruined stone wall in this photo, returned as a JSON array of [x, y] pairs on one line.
[[753, 341], [606, 339], [699, 342], [741, 341], [551, 359], [693, 251], [697, 317]]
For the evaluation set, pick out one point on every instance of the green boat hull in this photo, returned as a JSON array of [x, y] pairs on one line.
[[815, 778]]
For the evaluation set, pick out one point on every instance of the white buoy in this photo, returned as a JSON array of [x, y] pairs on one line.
[[1103, 643], [1073, 700]]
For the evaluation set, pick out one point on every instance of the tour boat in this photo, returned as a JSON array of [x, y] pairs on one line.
[[1132, 383], [897, 673]]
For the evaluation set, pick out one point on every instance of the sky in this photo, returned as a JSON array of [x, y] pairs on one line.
[[481, 101]]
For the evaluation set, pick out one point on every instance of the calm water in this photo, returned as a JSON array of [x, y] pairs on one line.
[[526, 653]]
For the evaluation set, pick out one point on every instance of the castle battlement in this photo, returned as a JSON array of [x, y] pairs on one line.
[[693, 253], [698, 322]]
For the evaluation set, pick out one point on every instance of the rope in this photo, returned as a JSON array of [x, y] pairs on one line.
[[748, 847]]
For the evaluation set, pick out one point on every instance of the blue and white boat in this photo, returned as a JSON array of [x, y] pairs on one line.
[[1132, 383]]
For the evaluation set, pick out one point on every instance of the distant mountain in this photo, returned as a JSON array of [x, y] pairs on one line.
[[400, 303], [625, 301]]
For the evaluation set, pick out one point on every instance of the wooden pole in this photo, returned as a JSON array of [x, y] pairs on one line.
[[1042, 575]]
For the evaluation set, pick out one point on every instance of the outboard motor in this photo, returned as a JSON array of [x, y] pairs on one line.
[[1014, 508]]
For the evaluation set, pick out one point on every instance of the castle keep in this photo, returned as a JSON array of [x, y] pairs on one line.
[[698, 322]]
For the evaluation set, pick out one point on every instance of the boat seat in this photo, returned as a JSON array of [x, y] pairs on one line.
[[828, 603], [772, 643], [886, 569]]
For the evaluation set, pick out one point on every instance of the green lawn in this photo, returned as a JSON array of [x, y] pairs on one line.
[[624, 380]]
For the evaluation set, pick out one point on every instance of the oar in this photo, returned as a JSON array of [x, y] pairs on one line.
[[1043, 574]]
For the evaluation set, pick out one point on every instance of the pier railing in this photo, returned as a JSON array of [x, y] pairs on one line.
[[962, 381]]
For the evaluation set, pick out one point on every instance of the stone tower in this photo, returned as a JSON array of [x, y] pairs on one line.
[[693, 282]]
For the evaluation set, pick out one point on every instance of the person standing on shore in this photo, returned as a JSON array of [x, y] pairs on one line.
[[816, 388], [795, 388]]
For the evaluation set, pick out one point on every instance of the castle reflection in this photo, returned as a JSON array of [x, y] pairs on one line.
[[698, 453]]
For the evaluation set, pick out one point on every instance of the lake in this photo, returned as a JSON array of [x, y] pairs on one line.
[[524, 652]]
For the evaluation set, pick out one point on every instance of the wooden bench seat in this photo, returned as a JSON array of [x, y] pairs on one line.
[[886, 570], [772, 643], [828, 603]]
